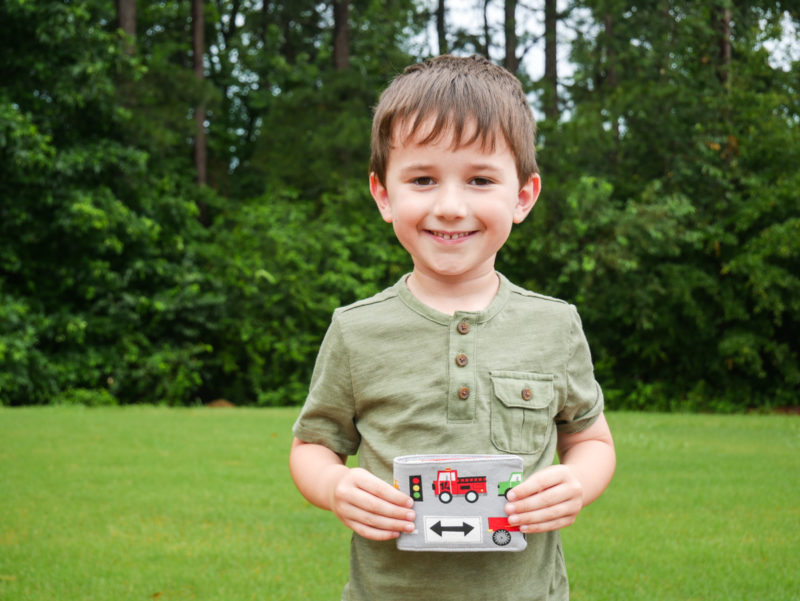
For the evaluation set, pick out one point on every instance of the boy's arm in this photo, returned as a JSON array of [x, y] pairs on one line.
[[552, 498], [364, 503]]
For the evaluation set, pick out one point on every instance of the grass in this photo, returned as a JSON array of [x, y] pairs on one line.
[[152, 503], [701, 508]]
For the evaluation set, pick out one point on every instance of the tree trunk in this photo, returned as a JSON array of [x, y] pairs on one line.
[[510, 61], [610, 82], [441, 31], [551, 108], [723, 26], [611, 55], [265, 6], [230, 31], [486, 33], [126, 20], [341, 35], [198, 52]]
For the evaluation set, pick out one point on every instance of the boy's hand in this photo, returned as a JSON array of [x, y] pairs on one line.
[[550, 499], [363, 502], [369, 506]]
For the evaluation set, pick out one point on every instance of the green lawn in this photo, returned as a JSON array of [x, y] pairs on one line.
[[151, 503]]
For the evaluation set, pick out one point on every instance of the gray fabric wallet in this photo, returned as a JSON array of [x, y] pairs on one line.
[[459, 502]]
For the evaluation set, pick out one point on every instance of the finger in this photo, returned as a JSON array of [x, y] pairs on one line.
[[546, 514], [356, 500], [542, 480], [372, 517], [561, 493], [548, 526], [359, 491], [375, 496], [548, 518], [369, 504], [378, 488], [378, 521], [370, 532]]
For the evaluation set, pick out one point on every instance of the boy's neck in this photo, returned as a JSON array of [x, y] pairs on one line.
[[457, 294]]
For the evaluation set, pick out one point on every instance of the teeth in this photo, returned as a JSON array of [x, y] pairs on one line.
[[446, 236]]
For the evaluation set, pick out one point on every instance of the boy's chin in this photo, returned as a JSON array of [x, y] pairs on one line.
[[454, 273]]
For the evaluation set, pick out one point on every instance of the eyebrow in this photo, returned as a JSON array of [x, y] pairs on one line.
[[484, 167], [417, 167]]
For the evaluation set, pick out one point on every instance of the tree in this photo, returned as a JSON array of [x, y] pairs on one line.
[[126, 19], [441, 27], [510, 60], [341, 35], [682, 233], [102, 297], [198, 56], [487, 33], [670, 213], [722, 17], [550, 99]]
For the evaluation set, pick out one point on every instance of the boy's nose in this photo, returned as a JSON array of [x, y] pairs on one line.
[[450, 203]]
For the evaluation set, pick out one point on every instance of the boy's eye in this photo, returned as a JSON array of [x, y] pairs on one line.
[[480, 181], [423, 181]]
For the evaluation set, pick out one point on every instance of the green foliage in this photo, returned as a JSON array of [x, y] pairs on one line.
[[284, 263], [678, 235], [304, 124], [670, 212], [111, 288], [100, 288], [95, 397]]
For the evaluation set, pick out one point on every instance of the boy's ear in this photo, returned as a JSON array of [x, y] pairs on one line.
[[381, 196], [527, 197]]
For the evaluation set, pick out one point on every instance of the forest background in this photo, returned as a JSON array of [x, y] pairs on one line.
[[183, 197]]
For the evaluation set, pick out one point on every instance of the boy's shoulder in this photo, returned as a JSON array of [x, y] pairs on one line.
[[376, 301], [535, 296], [536, 308], [538, 302]]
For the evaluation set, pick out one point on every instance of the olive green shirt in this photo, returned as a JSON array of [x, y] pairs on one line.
[[396, 377]]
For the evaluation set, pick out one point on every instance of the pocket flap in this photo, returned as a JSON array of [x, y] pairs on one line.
[[524, 390]]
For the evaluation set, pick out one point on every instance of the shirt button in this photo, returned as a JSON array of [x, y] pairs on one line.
[[461, 360], [527, 395], [463, 328], [463, 393]]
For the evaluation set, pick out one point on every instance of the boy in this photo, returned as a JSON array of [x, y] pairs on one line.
[[453, 358]]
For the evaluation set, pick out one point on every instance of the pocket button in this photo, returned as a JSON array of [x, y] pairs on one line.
[[527, 395]]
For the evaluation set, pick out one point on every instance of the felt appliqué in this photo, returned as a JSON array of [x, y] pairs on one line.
[[459, 502]]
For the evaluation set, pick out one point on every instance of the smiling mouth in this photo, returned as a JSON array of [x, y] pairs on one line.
[[449, 235]]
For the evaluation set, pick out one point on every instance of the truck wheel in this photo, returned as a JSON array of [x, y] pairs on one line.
[[507, 491], [445, 497], [471, 496], [501, 537]]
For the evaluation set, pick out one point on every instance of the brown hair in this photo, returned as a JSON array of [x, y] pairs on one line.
[[456, 94]]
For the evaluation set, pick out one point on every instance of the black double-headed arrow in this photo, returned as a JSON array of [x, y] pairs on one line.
[[465, 528]]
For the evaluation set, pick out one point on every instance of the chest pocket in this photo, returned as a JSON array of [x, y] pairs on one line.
[[523, 408]]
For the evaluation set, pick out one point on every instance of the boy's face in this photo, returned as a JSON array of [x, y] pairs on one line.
[[453, 210]]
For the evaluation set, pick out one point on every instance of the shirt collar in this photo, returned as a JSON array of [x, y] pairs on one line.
[[416, 305]]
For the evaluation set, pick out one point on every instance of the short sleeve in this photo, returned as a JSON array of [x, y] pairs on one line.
[[327, 418], [584, 397]]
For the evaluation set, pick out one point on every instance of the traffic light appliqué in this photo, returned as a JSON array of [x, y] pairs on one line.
[[415, 487]]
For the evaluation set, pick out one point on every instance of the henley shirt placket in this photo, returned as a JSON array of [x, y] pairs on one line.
[[462, 355]]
